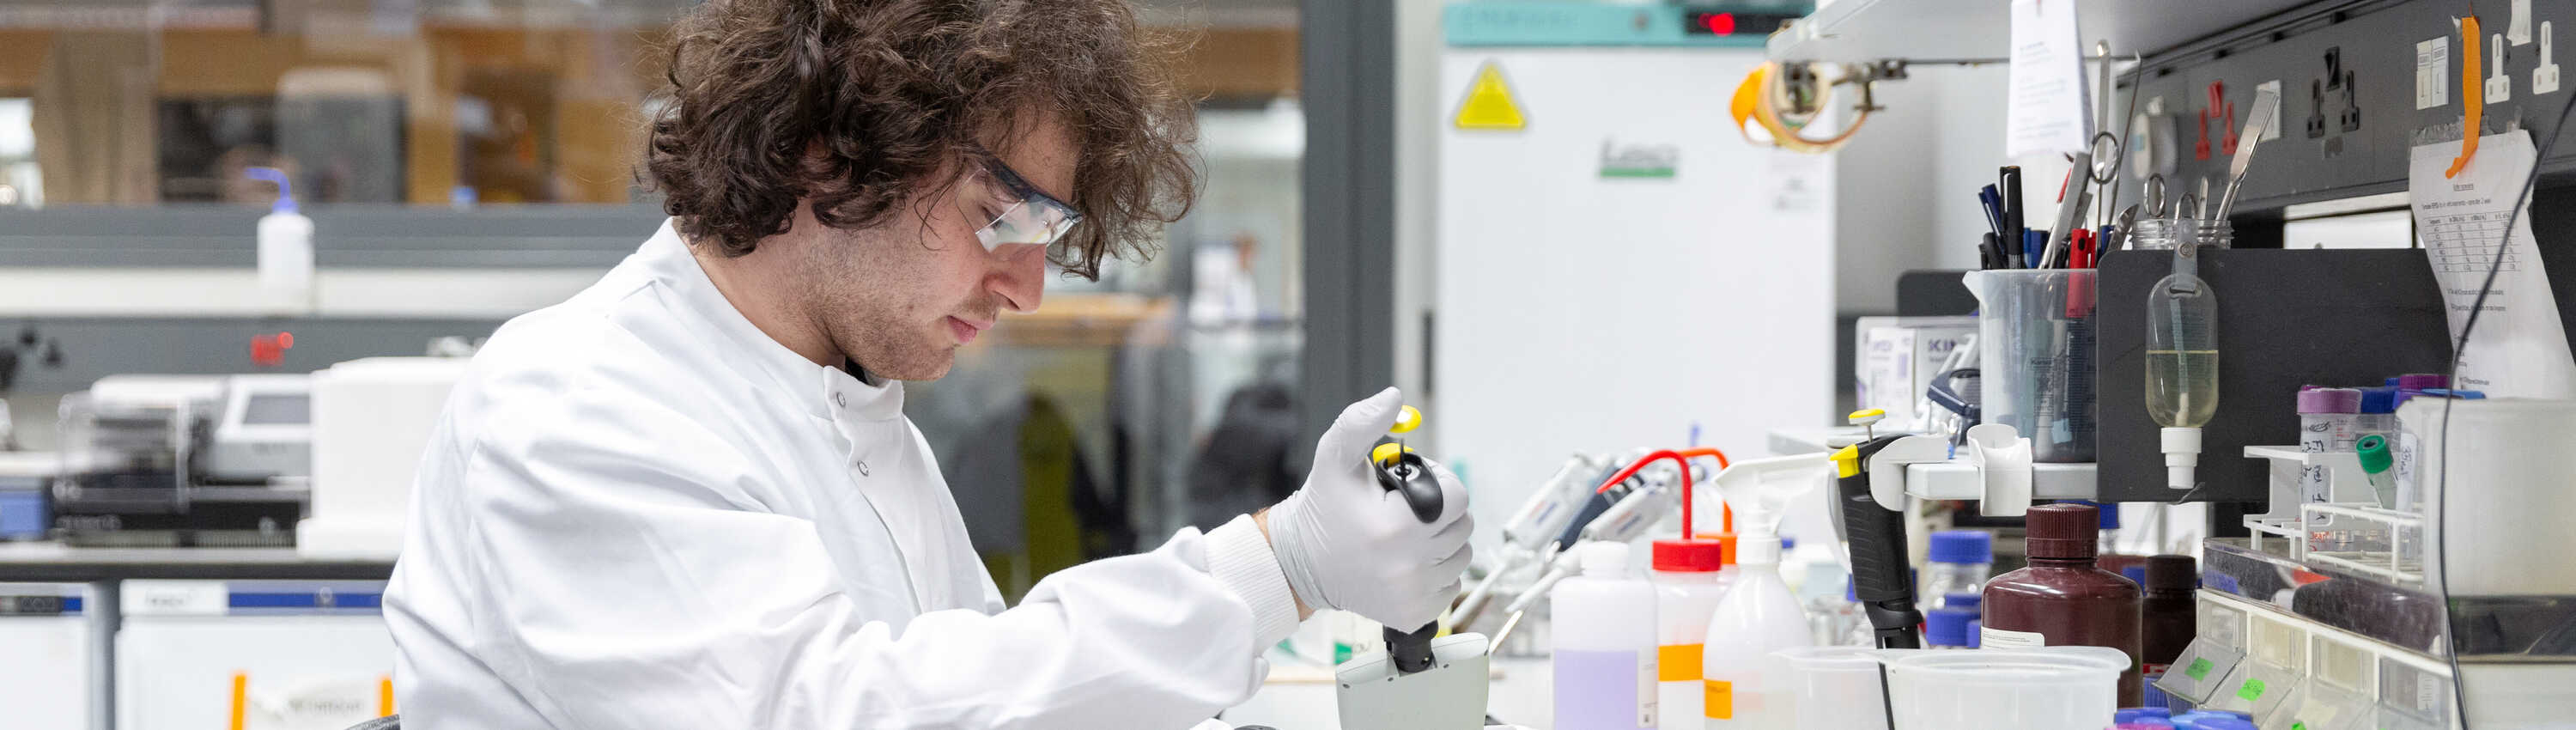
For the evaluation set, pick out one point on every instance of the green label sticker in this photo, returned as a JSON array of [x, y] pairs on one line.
[[2199, 669], [2298, 726], [2253, 690]]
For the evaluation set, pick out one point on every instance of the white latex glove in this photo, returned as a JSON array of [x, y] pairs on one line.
[[1347, 543]]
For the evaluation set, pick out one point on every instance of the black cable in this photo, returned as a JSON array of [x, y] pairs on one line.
[[2442, 495]]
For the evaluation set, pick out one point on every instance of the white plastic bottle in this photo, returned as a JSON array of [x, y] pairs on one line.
[[1687, 588], [1759, 615], [285, 246], [1603, 631]]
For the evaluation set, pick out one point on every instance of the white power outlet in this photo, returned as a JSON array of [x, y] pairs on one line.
[[2499, 86], [2545, 78]]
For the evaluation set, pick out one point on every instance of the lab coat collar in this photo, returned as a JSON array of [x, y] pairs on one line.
[[838, 395]]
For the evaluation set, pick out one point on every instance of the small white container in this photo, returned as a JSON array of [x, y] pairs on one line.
[[1688, 584], [2055, 688], [285, 241], [1604, 640]]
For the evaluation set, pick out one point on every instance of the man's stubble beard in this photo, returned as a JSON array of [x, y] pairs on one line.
[[851, 293]]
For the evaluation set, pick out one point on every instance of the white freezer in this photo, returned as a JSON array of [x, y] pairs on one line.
[[305, 655], [45, 639], [1584, 305]]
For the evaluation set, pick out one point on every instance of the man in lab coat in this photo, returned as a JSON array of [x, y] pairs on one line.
[[689, 498]]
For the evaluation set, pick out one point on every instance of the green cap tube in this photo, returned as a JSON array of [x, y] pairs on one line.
[[2374, 454]]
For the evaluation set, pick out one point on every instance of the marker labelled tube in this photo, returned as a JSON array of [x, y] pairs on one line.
[[2380, 463]]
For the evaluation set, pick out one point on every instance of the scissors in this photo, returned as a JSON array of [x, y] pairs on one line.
[[2156, 195], [1956, 391]]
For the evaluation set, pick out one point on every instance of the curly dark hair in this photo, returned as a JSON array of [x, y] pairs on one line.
[[893, 92]]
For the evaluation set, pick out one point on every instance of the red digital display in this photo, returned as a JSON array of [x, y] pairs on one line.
[[1704, 22]]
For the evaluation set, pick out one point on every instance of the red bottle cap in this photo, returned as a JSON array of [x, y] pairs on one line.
[[2063, 531], [1690, 556]]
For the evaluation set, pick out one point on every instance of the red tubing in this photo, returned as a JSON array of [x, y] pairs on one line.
[[1683, 456]]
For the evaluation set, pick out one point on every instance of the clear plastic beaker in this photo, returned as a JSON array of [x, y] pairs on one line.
[[1832, 687], [2051, 688], [2160, 234], [2035, 334]]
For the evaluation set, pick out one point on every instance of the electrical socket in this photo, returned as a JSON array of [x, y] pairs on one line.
[[2334, 109]]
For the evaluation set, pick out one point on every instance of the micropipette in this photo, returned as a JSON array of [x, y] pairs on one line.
[[1531, 535]]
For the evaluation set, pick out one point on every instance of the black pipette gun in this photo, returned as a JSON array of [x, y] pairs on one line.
[[1877, 537], [1400, 470], [1407, 474]]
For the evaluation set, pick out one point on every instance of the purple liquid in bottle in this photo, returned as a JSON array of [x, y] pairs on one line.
[[1604, 690]]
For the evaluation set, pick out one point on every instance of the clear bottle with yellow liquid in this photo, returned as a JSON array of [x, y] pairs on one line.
[[2182, 363]]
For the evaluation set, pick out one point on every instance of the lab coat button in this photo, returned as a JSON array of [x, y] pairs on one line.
[[841, 399]]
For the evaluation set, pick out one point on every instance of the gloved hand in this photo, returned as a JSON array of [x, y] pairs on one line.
[[1345, 542]]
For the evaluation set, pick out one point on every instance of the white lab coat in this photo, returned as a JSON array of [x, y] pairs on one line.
[[640, 512]]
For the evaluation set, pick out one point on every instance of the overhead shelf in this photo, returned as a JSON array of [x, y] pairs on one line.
[[1946, 480], [1961, 480], [1926, 30]]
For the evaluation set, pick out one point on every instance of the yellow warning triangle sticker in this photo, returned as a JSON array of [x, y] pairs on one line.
[[1489, 103]]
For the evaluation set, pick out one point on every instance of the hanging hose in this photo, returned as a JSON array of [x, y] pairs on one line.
[[1683, 458]]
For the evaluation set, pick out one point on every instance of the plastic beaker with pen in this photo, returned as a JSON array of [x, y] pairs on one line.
[[2035, 333]]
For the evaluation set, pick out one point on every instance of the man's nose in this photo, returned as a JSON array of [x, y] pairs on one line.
[[1020, 279]]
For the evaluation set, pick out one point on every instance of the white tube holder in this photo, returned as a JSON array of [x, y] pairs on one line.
[[2002, 457], [2347, 485]]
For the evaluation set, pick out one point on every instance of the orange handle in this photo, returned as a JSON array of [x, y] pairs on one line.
[[2472, 92]]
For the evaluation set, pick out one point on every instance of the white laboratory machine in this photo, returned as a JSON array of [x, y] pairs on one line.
[[45, 635], [182, 461], [253, 655], [264, 430], [1615, 262], [371, 420]]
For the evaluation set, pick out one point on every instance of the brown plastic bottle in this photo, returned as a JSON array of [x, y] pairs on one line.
[[2063, 599], [2165, 610]]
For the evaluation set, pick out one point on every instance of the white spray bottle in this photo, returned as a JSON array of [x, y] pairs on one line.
[[285, 246], [1759, 614]]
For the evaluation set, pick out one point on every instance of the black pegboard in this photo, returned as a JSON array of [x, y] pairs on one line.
[[2291, 318], [2340, 140], [2286, 319]]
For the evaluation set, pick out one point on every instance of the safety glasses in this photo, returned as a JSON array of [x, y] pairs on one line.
[[1028, 216]]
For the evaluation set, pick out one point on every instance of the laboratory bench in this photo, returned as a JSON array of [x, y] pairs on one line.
[[1301, 696], [51, 562]]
